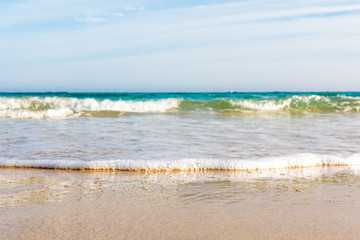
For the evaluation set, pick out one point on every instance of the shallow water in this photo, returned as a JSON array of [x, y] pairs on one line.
[[168, 131]]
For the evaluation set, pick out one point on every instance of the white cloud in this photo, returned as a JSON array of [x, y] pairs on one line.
[[131, 8], [90, 19], [118, 14], [256, 44]]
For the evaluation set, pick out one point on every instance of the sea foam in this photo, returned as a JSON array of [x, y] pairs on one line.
[[291, 103], [65, 107], [267, 163], [56, 107]]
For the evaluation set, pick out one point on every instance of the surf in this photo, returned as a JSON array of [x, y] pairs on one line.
[[304, 160], [70, 105]]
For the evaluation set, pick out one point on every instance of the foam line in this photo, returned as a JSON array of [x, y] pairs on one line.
[[269, 163]]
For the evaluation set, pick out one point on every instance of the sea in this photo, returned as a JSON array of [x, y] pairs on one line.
[[202, 131]]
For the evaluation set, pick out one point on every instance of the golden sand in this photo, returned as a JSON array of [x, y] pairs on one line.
[[52, 204]]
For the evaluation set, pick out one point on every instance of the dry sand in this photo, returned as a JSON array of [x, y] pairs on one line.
[[58, 204]]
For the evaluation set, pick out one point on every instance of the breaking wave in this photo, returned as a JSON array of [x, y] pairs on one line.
[[294, 104], [56, 107], [65, 107]]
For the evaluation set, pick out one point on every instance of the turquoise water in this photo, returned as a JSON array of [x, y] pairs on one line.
[[188, 95], [183, 131], [63, 104]]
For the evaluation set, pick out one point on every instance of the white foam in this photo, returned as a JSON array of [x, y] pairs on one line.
[[348, 97], [55, 107], [276, 104], [269, 163]]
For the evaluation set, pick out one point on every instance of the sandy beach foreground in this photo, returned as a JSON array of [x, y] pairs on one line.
[[59, 204]]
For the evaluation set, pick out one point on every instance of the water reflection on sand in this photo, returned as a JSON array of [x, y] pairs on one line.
[[26, 187]]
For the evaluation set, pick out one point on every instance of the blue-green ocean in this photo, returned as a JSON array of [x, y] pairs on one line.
[[179, 131], [301, 102]]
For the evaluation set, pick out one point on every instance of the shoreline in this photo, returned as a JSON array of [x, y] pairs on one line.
[[271, 163], [188, 170], [40, 203]]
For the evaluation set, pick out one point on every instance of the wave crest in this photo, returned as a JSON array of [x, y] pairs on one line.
[[63, 107], [311, 103], [56, 107]]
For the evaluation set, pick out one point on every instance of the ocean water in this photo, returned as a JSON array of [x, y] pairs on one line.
[[179, 131]]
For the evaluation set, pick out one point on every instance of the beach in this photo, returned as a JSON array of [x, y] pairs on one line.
[[60, 204], [274, 165], [179, 120]]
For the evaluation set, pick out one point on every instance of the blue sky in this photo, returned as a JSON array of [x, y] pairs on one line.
[[153, 45]]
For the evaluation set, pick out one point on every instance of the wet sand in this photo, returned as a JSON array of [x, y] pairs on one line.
[[60, 204]]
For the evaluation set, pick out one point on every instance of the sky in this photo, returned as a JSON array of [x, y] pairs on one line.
[[158, 45]]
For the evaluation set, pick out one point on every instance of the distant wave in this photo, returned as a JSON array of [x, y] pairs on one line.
[[58, 107], [65, 107], [269, 163], [292, 104]]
